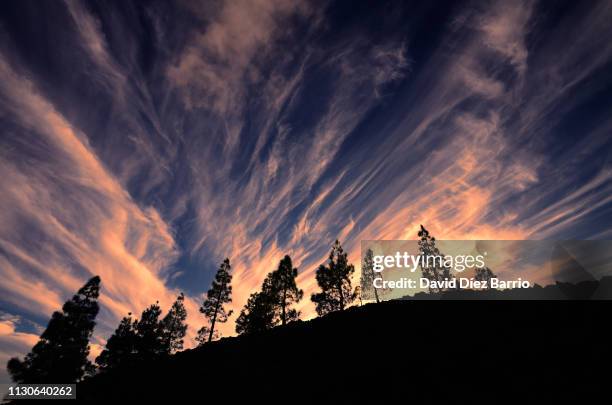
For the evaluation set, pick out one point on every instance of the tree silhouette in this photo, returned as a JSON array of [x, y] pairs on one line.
[[484, 274], [272, 305], [149, 343], [173, 327], [335, 282], [145, 338], [220, 293], [60, 356], [434, 270], [367, 277], [283, 290], [120, 347], [257, 315]]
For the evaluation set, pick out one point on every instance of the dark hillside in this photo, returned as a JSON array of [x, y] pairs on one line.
[[406, 349]]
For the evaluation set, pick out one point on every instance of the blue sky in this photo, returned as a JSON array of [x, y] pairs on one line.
[[147, 141]]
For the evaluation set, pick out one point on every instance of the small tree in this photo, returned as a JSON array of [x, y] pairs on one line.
[[120, 347], [60, 356], [219, 294], [283, 290], [257, 315], [367, 277], [434, 270], [173, 327], [335, 282], [484, 274]]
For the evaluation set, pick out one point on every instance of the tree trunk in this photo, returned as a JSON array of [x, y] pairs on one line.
[[212, 327], [283, 307], [214, 319]]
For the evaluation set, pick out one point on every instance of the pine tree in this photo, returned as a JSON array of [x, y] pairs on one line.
[[335, 282], [60, 356], [219, 294], [283, 290], [173, 327], [120, 347], [149, 344], [257, 315], [272, 305], [146, 338], [434, 270], [367, 277]]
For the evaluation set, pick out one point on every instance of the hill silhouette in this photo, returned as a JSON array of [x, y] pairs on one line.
[[404, 348]]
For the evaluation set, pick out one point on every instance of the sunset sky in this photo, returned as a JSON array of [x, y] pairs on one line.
[[146, 141]]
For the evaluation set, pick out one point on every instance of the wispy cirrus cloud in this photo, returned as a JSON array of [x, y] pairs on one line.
[[65, 218], [255, 129]]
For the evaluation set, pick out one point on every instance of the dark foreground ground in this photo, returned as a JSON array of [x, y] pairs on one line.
[[404, 349]]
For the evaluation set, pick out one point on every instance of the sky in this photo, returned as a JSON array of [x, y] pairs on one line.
[[147, 141]]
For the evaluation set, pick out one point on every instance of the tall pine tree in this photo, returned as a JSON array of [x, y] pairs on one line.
[[283, 290], [173, 327], [60, 356], [272, 305], [335, 282], [219, 294]]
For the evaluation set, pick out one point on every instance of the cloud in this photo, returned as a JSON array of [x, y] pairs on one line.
[[504, 26], [285, 177], [94, 43], [222, 61], [266, 128], [12, 342], [83, 220], [452, 168]]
